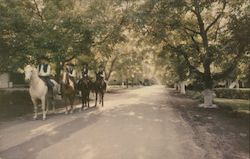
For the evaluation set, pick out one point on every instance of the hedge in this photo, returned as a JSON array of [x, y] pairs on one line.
[[14, 103], [242, 93]]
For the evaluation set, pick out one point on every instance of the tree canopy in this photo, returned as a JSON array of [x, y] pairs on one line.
[[204, 39]]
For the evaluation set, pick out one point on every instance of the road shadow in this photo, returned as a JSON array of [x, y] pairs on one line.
[[30, 148]]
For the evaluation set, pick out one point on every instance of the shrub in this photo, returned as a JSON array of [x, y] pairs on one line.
[[15, 103], [232, 93], [195, 95]]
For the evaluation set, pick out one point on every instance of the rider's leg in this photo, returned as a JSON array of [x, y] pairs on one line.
[[50, 85]]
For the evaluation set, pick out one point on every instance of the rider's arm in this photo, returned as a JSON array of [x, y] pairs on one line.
[[103, 75], [73, 74]]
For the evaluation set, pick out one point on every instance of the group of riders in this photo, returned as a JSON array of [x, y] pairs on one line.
[[44, 72]]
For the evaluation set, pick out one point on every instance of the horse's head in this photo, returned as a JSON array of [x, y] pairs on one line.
[[28, 70]]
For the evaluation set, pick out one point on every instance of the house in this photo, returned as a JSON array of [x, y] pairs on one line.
[[5, 80]]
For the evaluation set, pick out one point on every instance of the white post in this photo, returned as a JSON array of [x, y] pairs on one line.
[[182, 85], [234, 84], [208, 99]]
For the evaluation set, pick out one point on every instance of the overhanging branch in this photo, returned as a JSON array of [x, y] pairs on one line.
[[233, 65], [217, 17], [193, 31], [184, 54]]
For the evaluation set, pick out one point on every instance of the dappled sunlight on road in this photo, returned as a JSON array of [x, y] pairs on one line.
[[47, 128]]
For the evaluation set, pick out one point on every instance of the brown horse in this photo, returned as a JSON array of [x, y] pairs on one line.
[[68, 92]]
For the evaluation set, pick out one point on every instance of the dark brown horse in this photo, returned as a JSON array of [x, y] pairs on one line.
[[84, 86], [68, 92], [99, 87]]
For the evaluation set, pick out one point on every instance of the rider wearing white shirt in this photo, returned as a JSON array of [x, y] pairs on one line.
[[44, 70], [70, 70], [41, 68]]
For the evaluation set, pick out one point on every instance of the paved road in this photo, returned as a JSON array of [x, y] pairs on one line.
[[134, 124]]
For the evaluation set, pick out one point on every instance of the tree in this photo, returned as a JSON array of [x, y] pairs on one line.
[[61, 29], [208, 36]]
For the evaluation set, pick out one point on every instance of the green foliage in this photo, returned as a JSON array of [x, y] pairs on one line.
[[61, 29], [211, 36], [232, 93], [237, 105]]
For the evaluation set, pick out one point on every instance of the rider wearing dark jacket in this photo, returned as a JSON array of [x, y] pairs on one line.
[[85, 70], [100, 75]]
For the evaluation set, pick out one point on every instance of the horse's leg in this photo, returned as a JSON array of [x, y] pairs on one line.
[[43, 99], [35, 108], [47, 101], [66, 107], [88, 99], [50, 105], [102, 98], [96, 95], [54, 106], [82, 102], [72, 103], [52, 101]]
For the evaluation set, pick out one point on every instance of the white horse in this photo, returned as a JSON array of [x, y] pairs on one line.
[[39, 91]]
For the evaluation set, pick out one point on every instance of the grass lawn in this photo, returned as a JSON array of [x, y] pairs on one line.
[[238, 105]]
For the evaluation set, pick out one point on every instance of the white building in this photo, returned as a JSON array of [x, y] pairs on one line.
[[4, 80]]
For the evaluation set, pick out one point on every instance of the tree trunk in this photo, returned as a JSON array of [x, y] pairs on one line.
[[176, 86], [59, 68], [182, 87], [234, 84], [127, 83], [208, 93], [111, 68]]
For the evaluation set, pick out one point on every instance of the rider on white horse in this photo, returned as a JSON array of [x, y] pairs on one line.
[[44, 70]]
